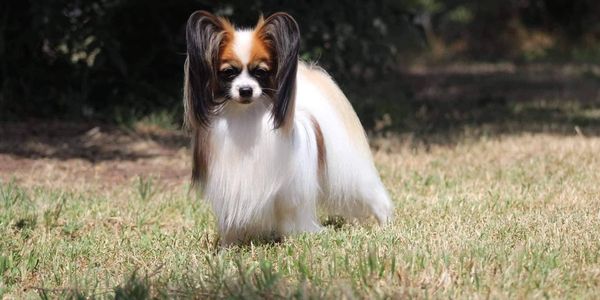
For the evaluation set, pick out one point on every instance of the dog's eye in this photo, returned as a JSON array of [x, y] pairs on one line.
[[260, 73], [228, 73]]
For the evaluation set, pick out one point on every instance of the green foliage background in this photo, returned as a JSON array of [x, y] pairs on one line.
[[112, 59]]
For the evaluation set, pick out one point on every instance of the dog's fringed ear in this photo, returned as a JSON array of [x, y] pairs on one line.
[[205, 34], [281, 34]]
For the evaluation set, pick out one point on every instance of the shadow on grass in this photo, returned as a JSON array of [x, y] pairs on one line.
[[260, 282], [135, 287], [93, 142], [437, 104]]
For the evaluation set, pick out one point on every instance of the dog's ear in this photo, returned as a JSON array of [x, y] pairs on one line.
[[205, 35], [281, 34]]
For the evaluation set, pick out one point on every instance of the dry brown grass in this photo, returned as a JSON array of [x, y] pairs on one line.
[[496, 189], [506, 216]]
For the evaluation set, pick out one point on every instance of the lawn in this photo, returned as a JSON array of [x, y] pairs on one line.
[[514, 216], [480, 213]]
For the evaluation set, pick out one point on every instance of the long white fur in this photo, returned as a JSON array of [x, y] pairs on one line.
[[264, 181]]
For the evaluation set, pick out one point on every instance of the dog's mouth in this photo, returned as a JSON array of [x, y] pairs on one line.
[[244, 100]]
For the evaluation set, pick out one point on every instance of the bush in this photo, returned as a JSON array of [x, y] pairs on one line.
[[116, 59], [104, 58]]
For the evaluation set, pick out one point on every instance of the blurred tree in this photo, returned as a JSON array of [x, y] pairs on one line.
[[519, 29], [103, 59], [95, 58]]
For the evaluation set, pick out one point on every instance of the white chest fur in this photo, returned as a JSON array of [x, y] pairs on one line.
[[262, 180]]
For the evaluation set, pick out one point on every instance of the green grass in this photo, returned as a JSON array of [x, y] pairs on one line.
[[515, 216]]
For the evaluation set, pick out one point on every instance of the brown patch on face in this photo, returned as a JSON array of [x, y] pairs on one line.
[[260, 51], [230, 63], [260, 55], [226, 53], [228, 56], [321, 150]]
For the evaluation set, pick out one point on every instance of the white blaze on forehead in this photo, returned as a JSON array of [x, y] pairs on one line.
[[242, 45]]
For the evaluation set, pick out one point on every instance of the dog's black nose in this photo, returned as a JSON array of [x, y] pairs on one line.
[[245, 91]]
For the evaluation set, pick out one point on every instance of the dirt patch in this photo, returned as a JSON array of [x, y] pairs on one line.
[[56, 153], [447, 102]]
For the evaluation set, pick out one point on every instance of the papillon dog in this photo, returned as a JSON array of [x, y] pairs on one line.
[[273, 138]]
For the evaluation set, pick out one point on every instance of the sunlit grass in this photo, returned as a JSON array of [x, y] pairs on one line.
[[512, 216]]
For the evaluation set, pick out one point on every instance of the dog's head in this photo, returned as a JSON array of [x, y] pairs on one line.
[[226, 66]]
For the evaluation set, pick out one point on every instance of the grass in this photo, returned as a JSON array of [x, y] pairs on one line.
[[511, 216]]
